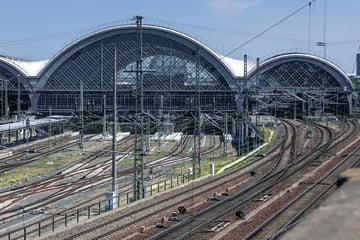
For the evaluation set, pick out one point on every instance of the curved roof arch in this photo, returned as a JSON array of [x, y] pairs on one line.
[[321, 63], [191, 45], [10, 69], [11, 66]]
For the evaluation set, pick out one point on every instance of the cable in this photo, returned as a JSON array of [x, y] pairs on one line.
[[61, 34], [344, 42], [309, 27], [267, 29], [324, 36], [231, 32], [40, 38]]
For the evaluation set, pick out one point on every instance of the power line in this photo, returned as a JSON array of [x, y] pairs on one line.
[[233, 32], [41, 38], [344, 42], [82, 30], [247, 34], [309, 26], [269, 28], [210, 29]]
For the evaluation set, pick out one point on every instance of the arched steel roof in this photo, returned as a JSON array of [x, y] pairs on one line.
[[36, 74], [11, 66], [328, 66], [26, 68], [11, 70], [222, 65]]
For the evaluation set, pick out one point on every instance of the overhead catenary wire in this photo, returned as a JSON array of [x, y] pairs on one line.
[[77, 31], [44, 37], [91, 28], [268, 37], [269, 28], [324, 32], [83, 30], [309, 27], [233, 32]]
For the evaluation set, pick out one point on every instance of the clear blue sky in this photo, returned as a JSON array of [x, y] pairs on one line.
[[37, 29]]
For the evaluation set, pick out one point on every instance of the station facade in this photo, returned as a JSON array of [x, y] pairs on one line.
[[178, 74]]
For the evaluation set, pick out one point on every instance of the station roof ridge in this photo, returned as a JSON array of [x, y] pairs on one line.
[[29, 68]]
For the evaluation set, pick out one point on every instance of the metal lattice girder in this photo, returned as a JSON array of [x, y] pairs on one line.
[[297, 75], [10, 79], [172, 69], [310, 85], [169, 71], [300, 103], [14, 97]]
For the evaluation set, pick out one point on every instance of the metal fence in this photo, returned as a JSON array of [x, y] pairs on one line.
[[58, 221]]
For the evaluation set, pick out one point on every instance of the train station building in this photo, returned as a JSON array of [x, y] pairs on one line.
[[161, 80], [170, 75], [176, 69]]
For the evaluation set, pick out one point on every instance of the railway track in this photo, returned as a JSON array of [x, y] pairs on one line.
[[22, 157], [315, 189], [60, 188], [166, 204], [262, 212], [194, 194], [216, 213], [59, 185]]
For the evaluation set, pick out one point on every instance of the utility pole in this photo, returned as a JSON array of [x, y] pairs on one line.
[[197, 121], [294, 107], [27, 129], [18, 98], [139, 112], [2, 98], [104, 118], [160, 118], [198, 110], [81, 133], [147, 145], [6, 101], [113, 165], [256, 101], [238, 128], [246, 112], [139, 187], [225, 134], [50, 133]]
